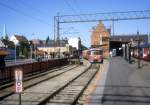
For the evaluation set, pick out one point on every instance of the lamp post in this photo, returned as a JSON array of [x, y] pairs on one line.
[[138, 47], [139, 54], [129, 52], [67, 48], [34, 46], [31, 52], [44, 50], [15, 54]]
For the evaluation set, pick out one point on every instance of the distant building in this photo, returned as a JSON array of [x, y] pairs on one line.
[[131, 38], [100, 38], [22, 46], [149, 38], [52, 47], [18, 38], [74, 42], [4, 35], [36, 42]]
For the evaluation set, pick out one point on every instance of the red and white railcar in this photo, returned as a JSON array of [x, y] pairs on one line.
[[96, 55]]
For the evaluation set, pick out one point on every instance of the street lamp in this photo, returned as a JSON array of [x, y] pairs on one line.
[[34, 45], [138, 47], [139, 52], [129, 52], [31, 52]]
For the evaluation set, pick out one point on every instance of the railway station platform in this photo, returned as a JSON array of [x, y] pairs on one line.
[[121, 83]]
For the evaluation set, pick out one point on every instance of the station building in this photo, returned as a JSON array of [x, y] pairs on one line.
[[100, 38]]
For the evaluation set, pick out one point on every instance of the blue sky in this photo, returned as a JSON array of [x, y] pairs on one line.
[[36, 16]]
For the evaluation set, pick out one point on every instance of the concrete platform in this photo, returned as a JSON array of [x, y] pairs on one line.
[[122, 83]]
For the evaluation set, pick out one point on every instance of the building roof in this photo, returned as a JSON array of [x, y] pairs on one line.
[[100, 28], [127, 38], [52, 43], [21, 38], [145, 45], [99, 32], [36, 41], [40, 52]]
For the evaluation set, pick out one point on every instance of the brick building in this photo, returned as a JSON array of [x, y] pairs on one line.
[[100, 38]]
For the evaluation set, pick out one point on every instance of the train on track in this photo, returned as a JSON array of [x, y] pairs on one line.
[[144, 52], [94, 55]]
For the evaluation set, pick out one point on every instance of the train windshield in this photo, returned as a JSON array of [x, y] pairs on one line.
[[96, 52]]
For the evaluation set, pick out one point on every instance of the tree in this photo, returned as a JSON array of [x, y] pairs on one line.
[[24, 48], [47, 39], [8, 43]]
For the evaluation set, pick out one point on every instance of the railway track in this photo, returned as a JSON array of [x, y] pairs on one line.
[[70, 93], [41, 93], [6, 90]]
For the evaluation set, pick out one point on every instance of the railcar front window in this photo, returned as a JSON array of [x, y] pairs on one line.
[[96, 53]]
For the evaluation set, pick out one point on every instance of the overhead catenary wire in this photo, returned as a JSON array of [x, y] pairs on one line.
[[31, 7], [23, 13], [68, 4]]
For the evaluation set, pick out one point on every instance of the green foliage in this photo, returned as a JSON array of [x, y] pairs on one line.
[[47, 39], [8, 43], [24, 48]]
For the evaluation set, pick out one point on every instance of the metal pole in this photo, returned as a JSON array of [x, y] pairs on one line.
[[129, 52], [34, 44], [113, 27], [54, 27], [58, 35], [138, 50], [44, 50], [54, 35], [19, 98], [15, 54], [139, 54], [35, 51], [31, 52]]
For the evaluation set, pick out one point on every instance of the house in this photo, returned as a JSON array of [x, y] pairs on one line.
[[22, 46], [18, 38], [36, 42], [53, 48]]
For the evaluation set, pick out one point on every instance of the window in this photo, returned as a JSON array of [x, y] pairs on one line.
[[96, 52], [105, 39]]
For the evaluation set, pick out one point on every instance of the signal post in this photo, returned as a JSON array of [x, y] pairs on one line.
[[18, 82]]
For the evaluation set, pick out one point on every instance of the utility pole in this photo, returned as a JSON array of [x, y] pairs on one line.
[[34, 44], [139, 61], [113, 27], [15, 53], [53, 55], [129, 52], [31, 51], [58, 35]]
